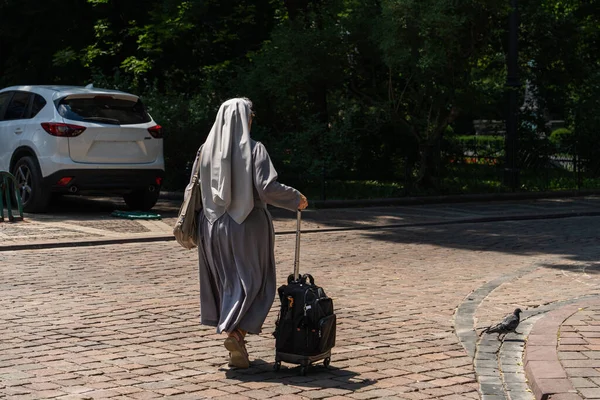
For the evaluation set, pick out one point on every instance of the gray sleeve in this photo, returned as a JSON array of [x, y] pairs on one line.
[[265, 181]]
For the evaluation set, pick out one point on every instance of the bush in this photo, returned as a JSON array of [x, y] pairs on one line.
[[563, 140]]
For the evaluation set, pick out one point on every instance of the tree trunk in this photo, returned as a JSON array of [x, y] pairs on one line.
[[429, 166], [430, 153]]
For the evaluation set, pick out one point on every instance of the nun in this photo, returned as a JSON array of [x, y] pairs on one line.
[[236, 246]]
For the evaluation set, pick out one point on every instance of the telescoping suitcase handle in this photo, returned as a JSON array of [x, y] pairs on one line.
[[297, 257]]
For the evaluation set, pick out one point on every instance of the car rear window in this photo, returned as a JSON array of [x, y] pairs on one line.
[[103, 109]]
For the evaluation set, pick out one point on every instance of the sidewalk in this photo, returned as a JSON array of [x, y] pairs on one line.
[[66, 227]]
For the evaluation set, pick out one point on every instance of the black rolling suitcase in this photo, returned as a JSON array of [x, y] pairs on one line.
[[305, 329]]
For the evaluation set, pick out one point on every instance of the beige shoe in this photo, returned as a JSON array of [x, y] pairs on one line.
[[230, 364], [238, 356]]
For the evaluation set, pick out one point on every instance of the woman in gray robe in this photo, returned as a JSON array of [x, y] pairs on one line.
[[236, 249]]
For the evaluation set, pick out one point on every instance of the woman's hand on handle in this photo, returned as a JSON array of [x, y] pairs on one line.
[[303, 202]]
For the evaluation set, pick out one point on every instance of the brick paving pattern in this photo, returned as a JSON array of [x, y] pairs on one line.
[[579, 351], [121, 321]]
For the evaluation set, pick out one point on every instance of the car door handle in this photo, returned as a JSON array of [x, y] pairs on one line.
[[18, 131]]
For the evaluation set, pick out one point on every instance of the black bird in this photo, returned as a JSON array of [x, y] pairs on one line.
[[508, 324]]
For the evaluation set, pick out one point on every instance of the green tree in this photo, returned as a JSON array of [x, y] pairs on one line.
[[31, 31], [560, 43], [353, 89], [434, 51], [174, 44], [293, 79]]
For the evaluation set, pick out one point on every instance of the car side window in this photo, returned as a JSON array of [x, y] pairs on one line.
[[37, 105], [4, 99], [18, 106]]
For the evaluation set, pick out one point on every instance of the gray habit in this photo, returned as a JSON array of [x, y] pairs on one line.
[[237, 261]]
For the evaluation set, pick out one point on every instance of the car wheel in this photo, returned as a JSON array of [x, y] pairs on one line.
[[142, 200], [29, 184]]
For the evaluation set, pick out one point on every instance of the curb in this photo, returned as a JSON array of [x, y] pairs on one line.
[[543, 369], [85, 242], [422, 200]]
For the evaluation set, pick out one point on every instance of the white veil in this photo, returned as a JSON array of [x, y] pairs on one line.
[[226, 168]]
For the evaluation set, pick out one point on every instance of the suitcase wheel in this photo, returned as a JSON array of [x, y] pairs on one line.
[[277, 366], [326, 362]]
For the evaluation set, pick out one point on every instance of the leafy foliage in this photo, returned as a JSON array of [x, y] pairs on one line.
[[344, 90], [563, 140]]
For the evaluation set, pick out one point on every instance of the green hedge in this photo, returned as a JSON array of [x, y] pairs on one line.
[[480, 145], [563, 140]]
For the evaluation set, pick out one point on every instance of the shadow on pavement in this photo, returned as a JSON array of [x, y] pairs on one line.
[[80, 207], [316, 376], [584, 267], [575, 238]]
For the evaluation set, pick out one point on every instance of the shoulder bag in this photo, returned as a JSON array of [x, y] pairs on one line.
[[186, 227]]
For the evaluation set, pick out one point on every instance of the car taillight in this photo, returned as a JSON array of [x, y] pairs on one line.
[[62, 130], [156, 131], [64, 181]]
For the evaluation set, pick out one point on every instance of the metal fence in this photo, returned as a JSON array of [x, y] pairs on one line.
[[472, 169]]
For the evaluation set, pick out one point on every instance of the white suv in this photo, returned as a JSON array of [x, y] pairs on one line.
[[67, 139]]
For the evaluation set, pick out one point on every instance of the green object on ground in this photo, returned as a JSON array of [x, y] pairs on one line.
[[135, 215], [8, 184]]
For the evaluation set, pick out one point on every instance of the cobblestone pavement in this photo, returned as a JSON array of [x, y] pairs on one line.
[[121, 321]]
